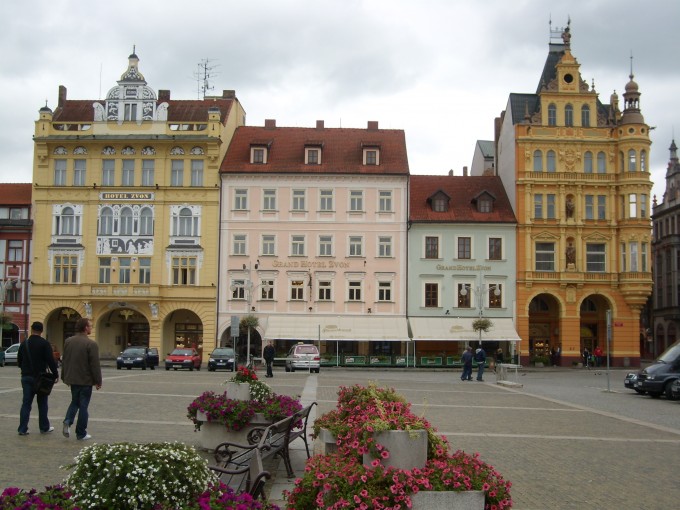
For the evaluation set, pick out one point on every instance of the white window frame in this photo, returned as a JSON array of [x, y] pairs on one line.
[[548, 262], [297, 245], [258, 155], [596, 259], [60, 172], [196, 172], [309, 160], [324, 289], [326, 245], [384, 292], [177, 172], [385, 246], [355, 246], [299, 200], [108, 172], [79, 172], [370, 154], [240, 199], [355, 291], [268, 245], [326, 200], [128, 175], [356, 200], [385, 201], [269, 200], [239, 244], [148, 171]]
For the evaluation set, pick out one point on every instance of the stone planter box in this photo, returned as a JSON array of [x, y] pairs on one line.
[[408, 449], [238, 391], [212, 434], [448, 500], [325, 443]]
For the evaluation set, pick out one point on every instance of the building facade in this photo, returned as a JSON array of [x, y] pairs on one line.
[[577, 176], [16, 229], [126, 207], [313, 239], [665, 325], [461, 267]]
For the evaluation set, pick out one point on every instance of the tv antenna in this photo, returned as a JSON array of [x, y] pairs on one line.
[[204, 73]]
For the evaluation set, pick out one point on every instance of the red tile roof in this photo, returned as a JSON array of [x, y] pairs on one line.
[[462, 207], [341, 153], [15, 194]]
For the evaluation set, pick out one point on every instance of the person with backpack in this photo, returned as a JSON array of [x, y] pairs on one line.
[[480, 358]]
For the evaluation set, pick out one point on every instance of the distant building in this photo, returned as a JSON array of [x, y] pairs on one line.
[[665, 326], [484, 158], [16, 226], [126, 206]]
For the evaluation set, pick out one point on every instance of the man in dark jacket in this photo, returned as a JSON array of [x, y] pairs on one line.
[[268, 354], [466, 358], [35, 356], [480, 358], [80, 369]]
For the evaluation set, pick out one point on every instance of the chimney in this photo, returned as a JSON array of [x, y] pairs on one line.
[[465, 172], [228, 94], [270, 123], [451, 173], [373, 125], [319, 124], [62, 96], [164, 95]]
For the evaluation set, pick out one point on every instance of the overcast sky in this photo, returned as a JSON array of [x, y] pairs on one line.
[[439, 69]]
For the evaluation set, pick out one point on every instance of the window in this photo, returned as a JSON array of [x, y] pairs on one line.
[[258, 155], [643, 161], [590, 207], [550, 206], [108, 172], [326, 200], [124, 264], [568, 115], [588, 162], [431, 295], [440, 204], [585, 116], [241, 200], [184, 223], [312, 156], [325, 246], [464, 247], [356, 200], [239, 244], [267, 289], [643, 206], [551, 165], [130, 111], [601, 163], [126, 222], [104, 269], [385, 201], [431, 247], [624, 259], [356, 246], [269, 200], [631, 161], [384, 246], [545, 256], [552, 115], [299, 203], [485, 205], [297, 246], [177, 172], [148, 171], [324, 290], [538, 161], [464, 298], [601, 207], [145, 270], [146, 222], [238, 289], [128, 172], [354, 290], [268, 244], [197, 172], [371, 156], [79, 172], [495, 248], [68, 223], [495, 295], [106, 222], [15, 251], [297, 290], [384, 291], [60, 172], [538, 205], [595, 257], [184, 270], [65, 269], [643, 257], [632, 205], [633, 256]]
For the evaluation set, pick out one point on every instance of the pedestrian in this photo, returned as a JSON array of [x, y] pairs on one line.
[[586, 357], [80, 369], [268, 354], [466, 358], [34, 357], [499, 356], [480, 358], [598, 356]]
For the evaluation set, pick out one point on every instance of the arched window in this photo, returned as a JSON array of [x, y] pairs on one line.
[[601, 163], [585, 115], [106, 222], [569, 115], [588, 162], [643, 161], [551, 161], [146, 222], [67, 222], [185, 222], [552, 115], [538, 161], [632, 167], [126, 222]]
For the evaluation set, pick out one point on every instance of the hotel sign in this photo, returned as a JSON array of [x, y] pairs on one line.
[[311, 264], [143, 195], [463, 267]]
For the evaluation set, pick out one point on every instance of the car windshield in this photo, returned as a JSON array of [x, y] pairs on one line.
[[134, 351], [305, 349], [223, 352], [671, 354], [182, 352]]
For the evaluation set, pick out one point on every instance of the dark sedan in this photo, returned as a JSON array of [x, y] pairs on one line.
[[137, 357], [222, 357], [630, 380]]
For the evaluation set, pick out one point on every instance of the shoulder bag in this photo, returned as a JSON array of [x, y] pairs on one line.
[[44, 381]]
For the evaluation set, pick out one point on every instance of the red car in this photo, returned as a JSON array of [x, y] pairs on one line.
[[183, 358]]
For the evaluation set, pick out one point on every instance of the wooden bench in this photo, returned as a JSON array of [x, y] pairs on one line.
[[300, 426]]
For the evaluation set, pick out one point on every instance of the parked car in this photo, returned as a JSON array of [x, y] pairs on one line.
[[138, 356], [630, 380], [658, 377], [675, 389], [221, 357], [304, 357], [183, 358], [11, 354]]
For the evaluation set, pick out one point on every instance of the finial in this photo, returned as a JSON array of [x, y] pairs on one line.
[[45, 103], [134, 48], [593, 85], [631, 75]]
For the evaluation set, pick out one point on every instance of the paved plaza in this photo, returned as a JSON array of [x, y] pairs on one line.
[[563, 440]]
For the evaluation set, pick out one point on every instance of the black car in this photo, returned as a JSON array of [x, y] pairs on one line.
[[138, 356], [658, 377], [675, 389], [630, 380], [221, 357]]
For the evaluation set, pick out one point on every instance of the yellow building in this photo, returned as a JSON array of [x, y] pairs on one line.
[[126, 210], [577, 175]]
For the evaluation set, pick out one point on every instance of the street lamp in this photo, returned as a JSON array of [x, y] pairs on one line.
[[480, 292]]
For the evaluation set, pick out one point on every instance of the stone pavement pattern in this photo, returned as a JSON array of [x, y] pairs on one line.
[[587, 448]]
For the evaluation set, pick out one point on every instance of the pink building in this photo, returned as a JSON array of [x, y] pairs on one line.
[[313, 239]]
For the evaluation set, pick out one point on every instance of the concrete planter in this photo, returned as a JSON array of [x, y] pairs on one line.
[[448, 500], [325, 443], [238, 391], [211, 434], [408, 449]]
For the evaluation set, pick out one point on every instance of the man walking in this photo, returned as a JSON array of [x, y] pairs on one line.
[[480, 358], [80, 370], [33, 357], [466, 358], [268, 354]]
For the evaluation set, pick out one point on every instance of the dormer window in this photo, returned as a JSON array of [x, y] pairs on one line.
[[312, 155], [439, 201], [372, 156], [258, 155], [484, 202]]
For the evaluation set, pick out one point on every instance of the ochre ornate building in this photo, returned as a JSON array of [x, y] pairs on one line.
[[126, 206], [577, 175]]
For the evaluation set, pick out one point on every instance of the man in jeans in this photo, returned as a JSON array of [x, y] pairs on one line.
[[80, 370], [480, 358]]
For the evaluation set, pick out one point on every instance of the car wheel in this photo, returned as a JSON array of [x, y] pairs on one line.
[[143, 367], [153, 367], [191, 368], [129, 368], [118, 367], [317, 370], [641, 392], [198, 368], [292, 368], [668, 392], [654, 394], [174, 368], [167, 368]]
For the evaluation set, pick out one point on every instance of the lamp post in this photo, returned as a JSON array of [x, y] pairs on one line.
[[480, 292], [5, 285]]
